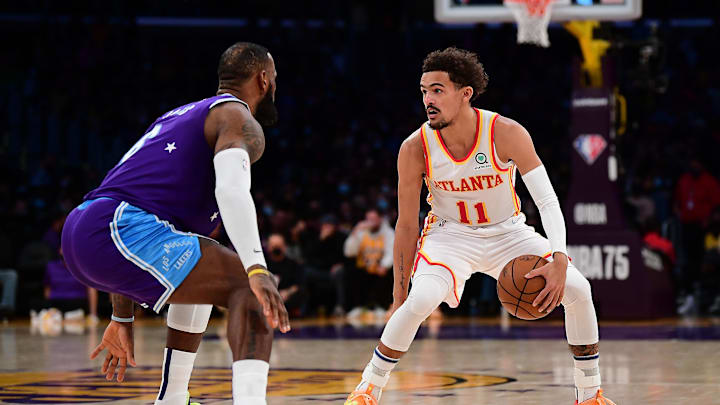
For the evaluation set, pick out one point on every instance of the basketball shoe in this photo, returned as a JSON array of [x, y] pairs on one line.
[[363, 397], [598, 400]]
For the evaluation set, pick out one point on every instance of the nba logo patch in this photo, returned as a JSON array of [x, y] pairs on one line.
[[590, 146]]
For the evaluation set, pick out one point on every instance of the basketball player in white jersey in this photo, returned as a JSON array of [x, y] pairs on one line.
[[469, 159]]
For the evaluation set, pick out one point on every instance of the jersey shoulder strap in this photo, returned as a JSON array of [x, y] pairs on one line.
[[489, 128], [224, 98], [426, 149]]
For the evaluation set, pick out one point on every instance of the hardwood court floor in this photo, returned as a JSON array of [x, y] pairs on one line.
[[647, 369]]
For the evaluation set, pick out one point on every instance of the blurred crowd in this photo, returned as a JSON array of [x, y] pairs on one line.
[[78, 93]]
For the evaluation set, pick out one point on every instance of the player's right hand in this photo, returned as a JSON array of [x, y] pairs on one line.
[[266, 292], [119, 341]]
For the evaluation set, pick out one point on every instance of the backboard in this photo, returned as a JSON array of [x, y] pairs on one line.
[[471, 11]]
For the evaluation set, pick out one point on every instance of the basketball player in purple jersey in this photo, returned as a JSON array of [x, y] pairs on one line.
[[142, 234]]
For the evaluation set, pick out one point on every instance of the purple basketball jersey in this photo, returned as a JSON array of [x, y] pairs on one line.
[[169, 171]]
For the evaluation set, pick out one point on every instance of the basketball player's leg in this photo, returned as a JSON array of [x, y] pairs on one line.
[[427, 293], [219, 278], [150, 262], [581, 328], [429, 289], [581, 325], [186, 325]]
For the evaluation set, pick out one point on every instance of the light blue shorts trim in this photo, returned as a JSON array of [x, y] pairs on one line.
[[155, 246]]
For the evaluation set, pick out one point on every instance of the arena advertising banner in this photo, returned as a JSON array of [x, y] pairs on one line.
[[629, 279]]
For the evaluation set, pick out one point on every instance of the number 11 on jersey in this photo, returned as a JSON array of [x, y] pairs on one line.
[[465, 215]]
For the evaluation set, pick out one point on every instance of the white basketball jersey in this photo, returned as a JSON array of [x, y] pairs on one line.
[[476, 190]]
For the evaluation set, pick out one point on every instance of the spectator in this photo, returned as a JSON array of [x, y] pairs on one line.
[[288, 274], [371, 244], [696, 195], [324, 264]]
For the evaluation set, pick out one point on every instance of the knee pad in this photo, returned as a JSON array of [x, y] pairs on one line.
[[189, 318], [577, 288], [581, 325], [426, 294]]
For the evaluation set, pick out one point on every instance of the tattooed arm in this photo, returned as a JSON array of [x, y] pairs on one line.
[[411, 166], [231, 125], [238, 141]]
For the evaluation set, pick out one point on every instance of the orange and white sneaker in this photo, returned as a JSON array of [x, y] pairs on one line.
[[598, 400], [360, 397]]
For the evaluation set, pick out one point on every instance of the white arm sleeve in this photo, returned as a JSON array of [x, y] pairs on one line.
[[232, 192], [541, 190]]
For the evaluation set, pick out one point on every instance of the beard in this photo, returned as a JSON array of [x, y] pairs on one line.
[[266, 113], [439, 125]]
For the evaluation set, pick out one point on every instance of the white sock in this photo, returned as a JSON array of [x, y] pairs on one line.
[[249, 382], [377, 373], [177, 367], [587, 376]]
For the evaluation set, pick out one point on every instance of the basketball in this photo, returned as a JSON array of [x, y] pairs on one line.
[[517, 293]]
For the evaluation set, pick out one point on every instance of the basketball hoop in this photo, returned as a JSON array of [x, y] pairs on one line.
[[533, 17]]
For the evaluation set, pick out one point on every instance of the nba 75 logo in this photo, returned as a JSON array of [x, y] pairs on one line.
[[590, 146]]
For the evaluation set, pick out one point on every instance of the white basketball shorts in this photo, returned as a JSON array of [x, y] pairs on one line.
[[455, 251]]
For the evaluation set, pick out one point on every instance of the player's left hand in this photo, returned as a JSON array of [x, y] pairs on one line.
[[119, 341], [266, 292], [554, 274]]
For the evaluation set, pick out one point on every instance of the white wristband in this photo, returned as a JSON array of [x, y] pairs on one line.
[[122, 320]]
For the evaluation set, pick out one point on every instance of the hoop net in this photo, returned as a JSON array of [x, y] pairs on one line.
[[533, 17]]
